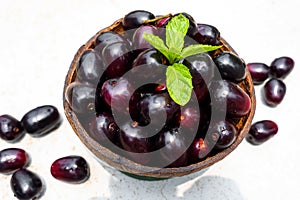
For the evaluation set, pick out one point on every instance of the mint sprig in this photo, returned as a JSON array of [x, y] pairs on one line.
[[179, 83], [176, 30], [178, 76], [197, 49]]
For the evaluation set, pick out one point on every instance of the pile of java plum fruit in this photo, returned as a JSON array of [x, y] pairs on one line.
[[115, 108], [38, 122]]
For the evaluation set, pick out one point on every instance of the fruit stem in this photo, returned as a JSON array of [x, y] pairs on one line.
[[157, 18]]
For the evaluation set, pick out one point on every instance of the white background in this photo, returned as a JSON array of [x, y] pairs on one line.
[[39, 39]]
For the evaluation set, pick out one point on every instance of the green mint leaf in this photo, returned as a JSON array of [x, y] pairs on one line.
[[176, 30], [158, 44], [179, 83], [196, 49]]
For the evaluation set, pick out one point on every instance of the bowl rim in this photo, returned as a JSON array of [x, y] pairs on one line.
[[123, 164]]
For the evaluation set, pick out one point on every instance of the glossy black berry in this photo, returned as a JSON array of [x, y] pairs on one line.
[[81, 97], [116, 57], [41, 120], [259, 72], [202, 69], [281, 67], [70, 169], [138, 42], [116, 93], [222, 134], [207, 34], [90, 67], [173, 147], [198, 150], [107, 38], [228, 97], [230, 66], [26, 184], [11, 129], [148, 67], [262, 131], [273, 92], [157, 109], [137, 139], [136, 18], [150, 57], [103, 128], [12, 159], [190, 117]]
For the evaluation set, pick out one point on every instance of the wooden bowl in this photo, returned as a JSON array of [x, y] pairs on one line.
[[125, 165]]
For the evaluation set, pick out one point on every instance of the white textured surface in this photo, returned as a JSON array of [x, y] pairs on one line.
[[38, 40]]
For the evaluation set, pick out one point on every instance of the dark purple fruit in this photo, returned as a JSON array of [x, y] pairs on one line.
[[90, 67], [207, 34], [103, 128], [156, 109], [107, 38], [136, 18], [148, 67], [114, 51], [81, 97], [274, 91], [116, 57], [151, 58], [198, 150], [70, 169], [259, 72], [116, 93], [261, 131], [189, 117], [230, 98], [135, 138], [138, 41], [230, 66], [41, 120], [11, 129], [222, 134], [26, 184], [173, 146], [202, 68], [205, 118], [12, 159], [281, 67], [201, 92], [138, 139]]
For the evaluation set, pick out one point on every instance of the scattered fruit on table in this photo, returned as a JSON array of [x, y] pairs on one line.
[[262, 131], [71, 169], [11, 129], [27, 185], [41, 120], [12, 159]]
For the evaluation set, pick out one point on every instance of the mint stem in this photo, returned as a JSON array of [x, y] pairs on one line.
[[156, 18]]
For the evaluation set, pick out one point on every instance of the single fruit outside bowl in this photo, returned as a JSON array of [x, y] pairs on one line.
[[128, 166]]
